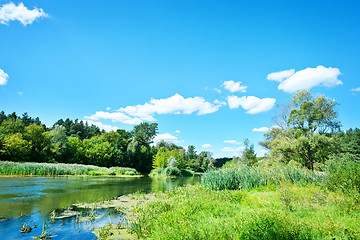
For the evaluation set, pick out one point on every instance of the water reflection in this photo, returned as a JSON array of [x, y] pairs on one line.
[[24, 195]]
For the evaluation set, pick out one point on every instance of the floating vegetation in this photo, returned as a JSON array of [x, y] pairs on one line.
[[26, 228], [45, 234]]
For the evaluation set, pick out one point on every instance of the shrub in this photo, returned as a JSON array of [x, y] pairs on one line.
[[172, 171], [187, 173], [343, 173]]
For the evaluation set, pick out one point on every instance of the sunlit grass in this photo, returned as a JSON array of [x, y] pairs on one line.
[[195, 212]]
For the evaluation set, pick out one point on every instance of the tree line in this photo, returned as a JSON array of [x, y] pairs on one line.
[[27, 139]]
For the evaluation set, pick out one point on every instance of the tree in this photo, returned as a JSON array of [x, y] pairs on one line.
[[145, 132], [313, 115], [307, 140], [248, 155], [35, 135], [15, 148], [161, 158]]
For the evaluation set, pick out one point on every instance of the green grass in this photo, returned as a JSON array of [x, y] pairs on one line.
[[244, 177], [57, 169], [196, 212]]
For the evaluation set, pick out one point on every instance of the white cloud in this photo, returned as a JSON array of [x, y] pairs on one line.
[[175, 104], [11, 12], [309, 78], [177, 131], [355, 89], [115, 117], [100, 125], [280, 76], [252, 104], [108, 108], [206, 145], [166, 137], [234, 86], [217, 102], [217, 90], [20, 93], [3, 77], [234, 151], [262, 129], [232, 142]]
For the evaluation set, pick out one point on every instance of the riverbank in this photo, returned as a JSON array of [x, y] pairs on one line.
[[62, 169], [270, 212]]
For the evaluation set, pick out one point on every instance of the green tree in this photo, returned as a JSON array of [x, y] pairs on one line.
[[248, 155], [35, 135], [179, 156], [161, 158], [15, 148], [307, 140], [145, 132]]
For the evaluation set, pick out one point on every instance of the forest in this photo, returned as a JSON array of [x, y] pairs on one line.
[[27, 139]]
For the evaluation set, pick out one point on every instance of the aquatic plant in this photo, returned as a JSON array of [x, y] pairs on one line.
[[56, 169], [244, 177]]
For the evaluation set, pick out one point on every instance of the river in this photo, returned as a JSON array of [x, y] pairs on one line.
[[31, 199]]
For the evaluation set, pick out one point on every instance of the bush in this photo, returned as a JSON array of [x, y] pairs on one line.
[[187, 173], [343, 172], [296, 164], [172, 171]]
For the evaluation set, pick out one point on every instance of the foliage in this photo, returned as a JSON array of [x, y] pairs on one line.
[[343, 173], [172, 171], [306, 138], [248, 156]]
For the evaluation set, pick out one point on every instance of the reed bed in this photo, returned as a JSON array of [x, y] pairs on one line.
[[243, 177], [57, 169]]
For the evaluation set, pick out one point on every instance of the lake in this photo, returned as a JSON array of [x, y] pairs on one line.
[[31, 199]]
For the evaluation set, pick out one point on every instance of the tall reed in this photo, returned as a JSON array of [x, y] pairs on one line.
[[244, 177], [56, 169]]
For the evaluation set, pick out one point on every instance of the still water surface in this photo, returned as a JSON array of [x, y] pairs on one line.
[[31, 199]]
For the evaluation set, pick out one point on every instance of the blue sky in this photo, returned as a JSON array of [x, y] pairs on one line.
[[178, 63]]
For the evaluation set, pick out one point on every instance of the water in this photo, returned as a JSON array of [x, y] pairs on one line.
[[30, 200]]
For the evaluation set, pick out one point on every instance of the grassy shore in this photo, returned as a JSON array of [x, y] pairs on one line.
[[59, 169], [271, 212], [257, 203]]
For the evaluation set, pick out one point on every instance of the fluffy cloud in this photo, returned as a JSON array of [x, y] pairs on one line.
[[234, 151], [100, 125], [166, 137], [115, 117], [217, 102], [234, 86], [176, 104], [252, 104], [231, 141], [217, 90], [206, 145], [307, 78], [262, 129], [3, 77], [280, 76], [11, 12], [177, 131], [353, 90]]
